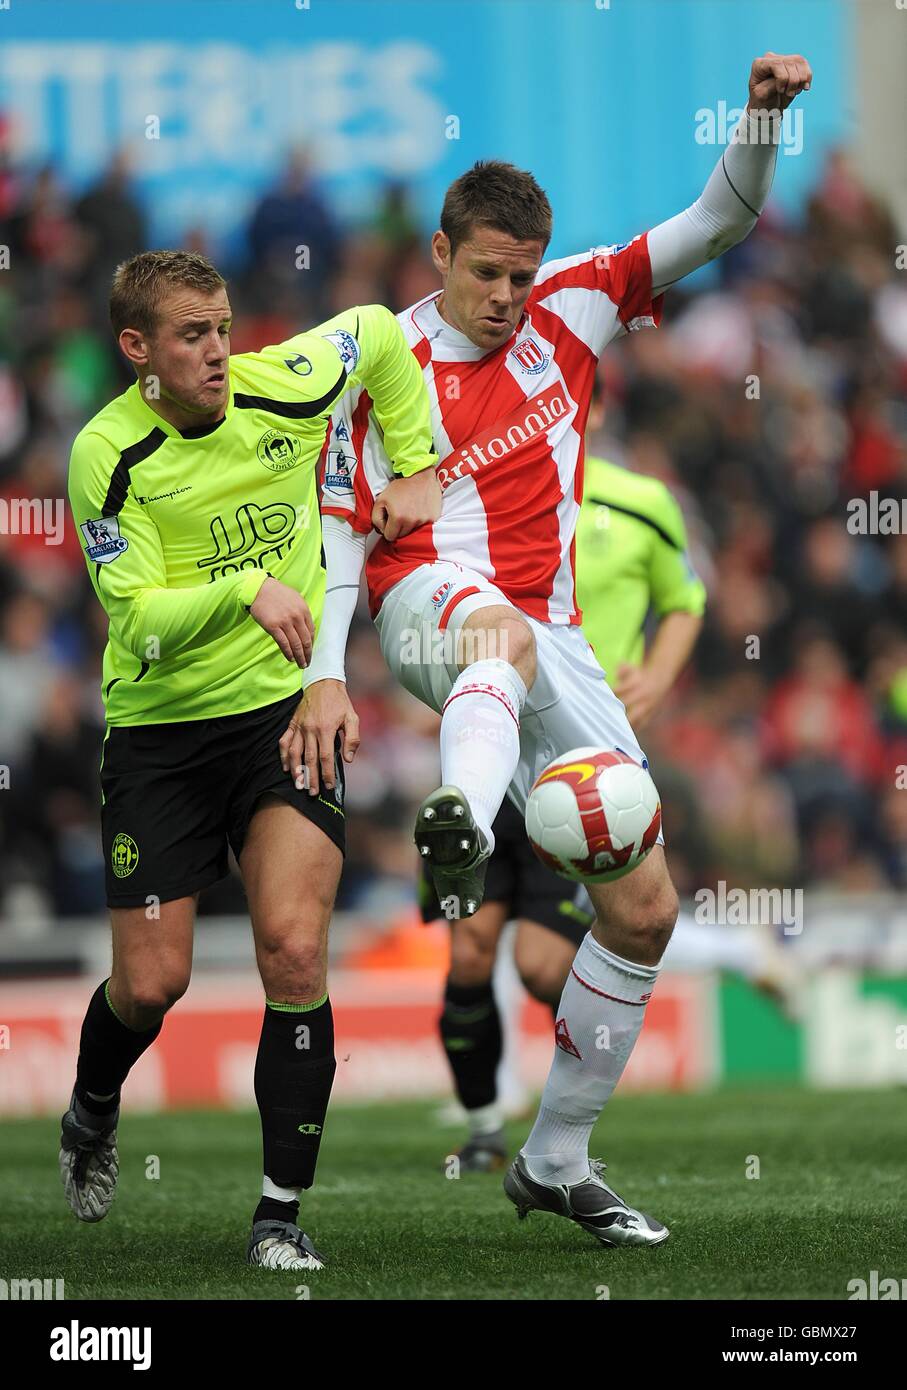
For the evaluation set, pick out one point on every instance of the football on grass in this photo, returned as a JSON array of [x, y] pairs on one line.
[[593, 815]]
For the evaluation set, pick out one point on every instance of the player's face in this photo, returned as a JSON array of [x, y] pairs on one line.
[[189, 350], [486, 283]]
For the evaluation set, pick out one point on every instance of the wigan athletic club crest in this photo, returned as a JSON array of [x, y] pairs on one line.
[[124, 855], [279, 451], [530, 356]]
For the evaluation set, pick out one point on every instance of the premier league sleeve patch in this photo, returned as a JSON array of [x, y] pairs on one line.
[[103, 541], [346, 345], [337, 473]]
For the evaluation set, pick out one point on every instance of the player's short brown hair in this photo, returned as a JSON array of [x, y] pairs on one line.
[[141, 283], [495, 194]]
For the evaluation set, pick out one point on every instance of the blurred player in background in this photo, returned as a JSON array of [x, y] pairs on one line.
[[631, 556], [477, 614], [195, 493]]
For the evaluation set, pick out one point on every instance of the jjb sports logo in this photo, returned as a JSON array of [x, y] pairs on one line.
[[530, 356], [347, 346], [104, 540]]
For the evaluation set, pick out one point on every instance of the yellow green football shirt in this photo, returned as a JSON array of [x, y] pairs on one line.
[[181, 528], [631, 556]]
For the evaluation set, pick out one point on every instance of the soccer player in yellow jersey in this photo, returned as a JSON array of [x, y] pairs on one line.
[[194, 494]]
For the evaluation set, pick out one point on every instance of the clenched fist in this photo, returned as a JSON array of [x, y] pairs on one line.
[[776, 78]]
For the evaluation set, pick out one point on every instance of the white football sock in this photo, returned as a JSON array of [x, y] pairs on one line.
[[599, 1017], [485, 1119], [279, 1194], [480, 736]]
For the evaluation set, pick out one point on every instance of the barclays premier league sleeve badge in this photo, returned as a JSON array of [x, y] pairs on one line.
[[348, 348], [103, 540], [337, 474]]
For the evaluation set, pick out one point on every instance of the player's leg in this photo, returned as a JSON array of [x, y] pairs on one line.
[[290, 849], [480, 727], [470, 1029], [163, 841], [476, 675], [470, 1023], [600, 1015], [291, 871], [611, 979], [552, 919], [495, 654], [152, 961], [543, 960]]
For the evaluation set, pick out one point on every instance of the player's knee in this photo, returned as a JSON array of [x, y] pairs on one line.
[[516, 642], [542, 980], [499, 634], [654, 915], [146, 1000], [471, 957], [294, 971]]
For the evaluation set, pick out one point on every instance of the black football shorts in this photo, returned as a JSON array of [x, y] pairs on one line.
[[176, 795]]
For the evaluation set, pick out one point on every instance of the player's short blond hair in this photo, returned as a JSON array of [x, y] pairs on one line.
[[141, 283], [499, 195]]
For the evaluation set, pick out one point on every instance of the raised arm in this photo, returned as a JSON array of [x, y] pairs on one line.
[[736, 192]]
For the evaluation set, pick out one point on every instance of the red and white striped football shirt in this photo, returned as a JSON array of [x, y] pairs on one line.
[[508, 427]]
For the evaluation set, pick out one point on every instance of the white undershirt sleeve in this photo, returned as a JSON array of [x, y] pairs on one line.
[[728, 207], [344, 552]]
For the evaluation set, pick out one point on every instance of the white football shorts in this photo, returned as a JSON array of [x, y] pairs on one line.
[[570, 705]]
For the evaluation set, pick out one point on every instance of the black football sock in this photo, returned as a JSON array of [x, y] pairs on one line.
[[470, 1028], [107, 1052], [294, 1072], [269, 1209]]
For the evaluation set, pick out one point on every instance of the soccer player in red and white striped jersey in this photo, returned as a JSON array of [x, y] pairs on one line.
[[508, 424], [477, 613]]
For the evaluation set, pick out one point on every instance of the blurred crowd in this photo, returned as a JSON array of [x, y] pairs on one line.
[[774, 395]]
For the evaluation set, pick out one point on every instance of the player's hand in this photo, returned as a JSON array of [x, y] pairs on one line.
[[641, 690], [776, 78], [307, 746], [407, 503], [284, 613]]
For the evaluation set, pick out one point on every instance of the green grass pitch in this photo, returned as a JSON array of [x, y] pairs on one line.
[[826, 1208]]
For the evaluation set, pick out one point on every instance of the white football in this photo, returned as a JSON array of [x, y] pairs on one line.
[[593, 815]]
